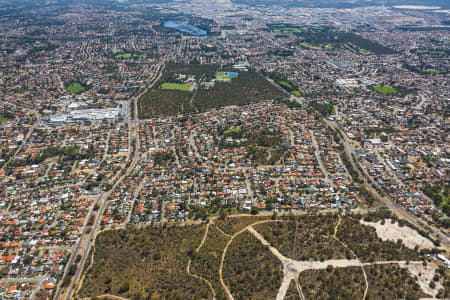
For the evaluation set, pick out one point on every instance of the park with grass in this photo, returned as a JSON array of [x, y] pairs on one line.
[[283, 81], [130, 56], [76, 88], [430, 71], [185, 87], [432, 52], [384, 89], [5, 116], [123, 56]]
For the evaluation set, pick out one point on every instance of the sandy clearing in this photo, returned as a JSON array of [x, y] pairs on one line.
[[424, 275], [392, 232]]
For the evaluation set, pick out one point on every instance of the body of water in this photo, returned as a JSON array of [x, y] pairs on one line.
[[185, 27]]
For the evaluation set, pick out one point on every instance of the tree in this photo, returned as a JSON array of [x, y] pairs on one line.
[[124, 288], [223, 214], [254, 210], [274, 215], [157, 255]]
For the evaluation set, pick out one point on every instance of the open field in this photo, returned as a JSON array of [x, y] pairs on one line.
[[286, 84], [385, 89], [76, 88], [175, 86], [431, 71], [432, 52], [297, 93], [282, 80], [124, 56], [253, 257], [368, 246]]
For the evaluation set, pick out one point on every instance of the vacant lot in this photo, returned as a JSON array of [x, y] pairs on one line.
[[159, 102]]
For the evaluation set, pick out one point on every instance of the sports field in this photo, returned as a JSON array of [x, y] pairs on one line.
[[226, 75], [175, 86]]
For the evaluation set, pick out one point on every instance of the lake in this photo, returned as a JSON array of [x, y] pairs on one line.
[[185, 27]]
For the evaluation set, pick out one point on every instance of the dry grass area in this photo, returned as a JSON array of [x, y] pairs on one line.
[[206, 261], [231, 225], [305, 238], [333, 283], [425, 277], [391, 282], [145, 263], [250, 270], [366, 244], [389, 230], [151, 263]]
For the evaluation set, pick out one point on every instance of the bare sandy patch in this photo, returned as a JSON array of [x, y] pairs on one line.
[[392, 232], [424, 275]]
